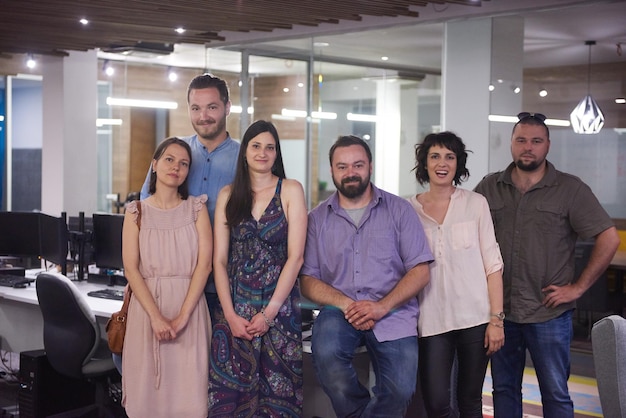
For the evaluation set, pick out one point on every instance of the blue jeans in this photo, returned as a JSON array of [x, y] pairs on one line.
[[334, 342], [549, 346]]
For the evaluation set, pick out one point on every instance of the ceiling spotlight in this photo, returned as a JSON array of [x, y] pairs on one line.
[[172, 75], [84, 21], [180, 30], [543, 93], [384, 58], [620, 100], [516, 89], [30, 61], [492, 87], [108, 68]]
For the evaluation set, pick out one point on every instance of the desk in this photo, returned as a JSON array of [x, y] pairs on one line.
[[21, 324]]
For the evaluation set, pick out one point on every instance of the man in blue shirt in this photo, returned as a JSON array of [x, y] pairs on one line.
[[365, 260], [214, 153]]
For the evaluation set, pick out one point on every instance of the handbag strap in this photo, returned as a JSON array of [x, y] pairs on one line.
[[127, 293]]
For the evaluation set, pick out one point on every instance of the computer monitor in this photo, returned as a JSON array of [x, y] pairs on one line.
[[19, 234], [107, 240], [53, 240], [79, 223]]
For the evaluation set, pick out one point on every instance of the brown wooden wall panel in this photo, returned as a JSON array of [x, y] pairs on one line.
[[142, 145]]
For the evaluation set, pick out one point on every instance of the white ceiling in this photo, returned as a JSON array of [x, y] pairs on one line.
[[555, 33]]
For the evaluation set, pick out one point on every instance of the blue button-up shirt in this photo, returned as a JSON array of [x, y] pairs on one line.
[[366, 262], [209, 172]]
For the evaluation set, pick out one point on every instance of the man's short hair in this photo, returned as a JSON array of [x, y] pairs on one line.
[[207, 80], [346, 141], [536, 119]]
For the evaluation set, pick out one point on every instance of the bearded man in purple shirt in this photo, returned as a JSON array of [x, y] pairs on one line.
[[366, 259]]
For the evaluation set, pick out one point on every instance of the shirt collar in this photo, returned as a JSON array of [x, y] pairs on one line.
[[224, 144]]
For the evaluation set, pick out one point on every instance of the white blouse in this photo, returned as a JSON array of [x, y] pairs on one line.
[[466, 252]]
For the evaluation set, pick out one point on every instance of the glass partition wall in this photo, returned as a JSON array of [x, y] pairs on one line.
[[312, 100]]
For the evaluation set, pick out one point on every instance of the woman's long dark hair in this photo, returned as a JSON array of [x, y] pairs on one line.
[[239, 206]]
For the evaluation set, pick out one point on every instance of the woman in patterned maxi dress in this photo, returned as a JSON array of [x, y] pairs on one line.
[[255, 367], [167, 259]]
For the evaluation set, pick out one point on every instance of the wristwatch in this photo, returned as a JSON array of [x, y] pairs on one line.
[[499, 315]]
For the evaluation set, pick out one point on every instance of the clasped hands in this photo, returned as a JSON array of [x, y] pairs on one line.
[[254, 328], [167, 330], [363, 314]]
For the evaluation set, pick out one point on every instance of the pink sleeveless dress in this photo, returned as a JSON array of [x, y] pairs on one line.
[[167, 378]]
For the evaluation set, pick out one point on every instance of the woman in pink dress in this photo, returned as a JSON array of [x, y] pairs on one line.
[[167, 248]]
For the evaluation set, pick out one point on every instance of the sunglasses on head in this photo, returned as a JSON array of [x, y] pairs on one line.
[[525, 115]]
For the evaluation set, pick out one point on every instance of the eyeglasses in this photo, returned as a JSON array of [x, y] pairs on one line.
[[525, 115]]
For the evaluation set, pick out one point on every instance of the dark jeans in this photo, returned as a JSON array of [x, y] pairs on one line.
[[549, 346], [394, 363], [436, 359]]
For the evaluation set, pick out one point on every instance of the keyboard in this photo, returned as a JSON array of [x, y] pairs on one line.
[[107, 294], [9, 280]]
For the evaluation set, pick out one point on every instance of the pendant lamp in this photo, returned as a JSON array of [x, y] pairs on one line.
[[587, 118]]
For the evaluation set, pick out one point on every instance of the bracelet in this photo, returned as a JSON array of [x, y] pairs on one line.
[[497, 325], [267, 321]]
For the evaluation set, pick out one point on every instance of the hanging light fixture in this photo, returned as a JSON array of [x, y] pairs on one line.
[[587, 118]]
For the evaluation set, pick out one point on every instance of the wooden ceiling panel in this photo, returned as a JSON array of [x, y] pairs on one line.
[[52, 26]]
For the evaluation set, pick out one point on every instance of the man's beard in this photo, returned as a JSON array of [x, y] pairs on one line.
[[352, 191], [531, 166], [215, 129]]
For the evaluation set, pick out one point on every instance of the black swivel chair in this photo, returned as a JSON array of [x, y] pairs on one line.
[[71, 336]]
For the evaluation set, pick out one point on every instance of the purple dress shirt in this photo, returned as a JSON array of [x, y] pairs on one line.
[[366, 262]]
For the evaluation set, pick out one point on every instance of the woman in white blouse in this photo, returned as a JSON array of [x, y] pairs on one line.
[[461, 307]]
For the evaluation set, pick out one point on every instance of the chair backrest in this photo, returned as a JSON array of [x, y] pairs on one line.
[[608, 339], [70, 331]]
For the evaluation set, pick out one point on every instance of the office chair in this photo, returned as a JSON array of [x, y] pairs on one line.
[[71, 335], [608, 340]]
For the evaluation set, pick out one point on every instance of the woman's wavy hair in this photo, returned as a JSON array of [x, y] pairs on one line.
[[447, 140]]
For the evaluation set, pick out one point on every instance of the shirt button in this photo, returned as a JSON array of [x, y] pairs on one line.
[[205, 179]]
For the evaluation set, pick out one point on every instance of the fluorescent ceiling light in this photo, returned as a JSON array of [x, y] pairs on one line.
[[361, 118], [103, 122], [155, 104], [302, 114], [1, 118], [238, 109], [276, 116], [324, 115], [294, 113], [514, 119]]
